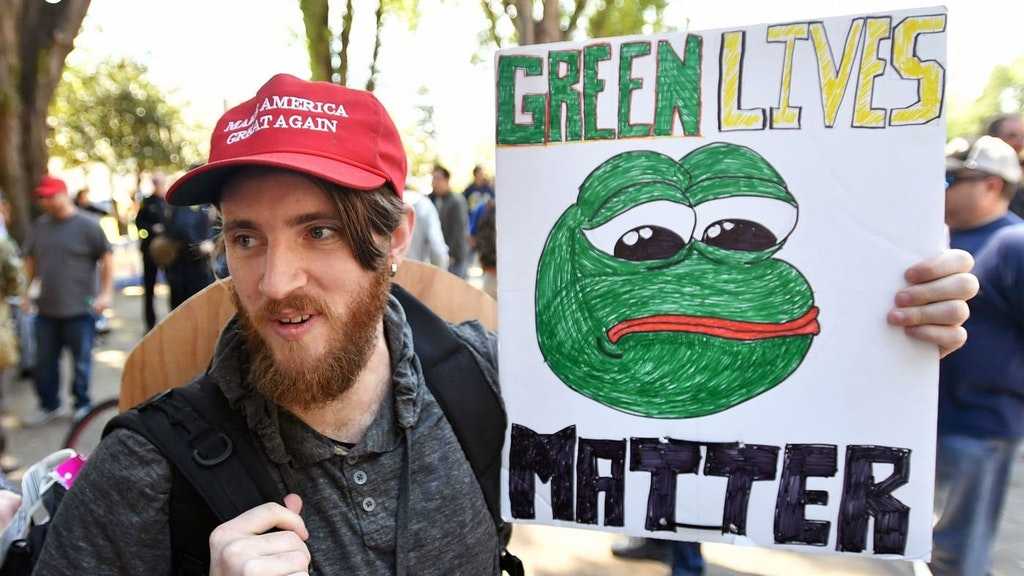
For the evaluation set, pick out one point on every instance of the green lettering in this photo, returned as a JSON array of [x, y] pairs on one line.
[[627, 84], [509, 131], [678, 88], [563, 93], [592, 86]]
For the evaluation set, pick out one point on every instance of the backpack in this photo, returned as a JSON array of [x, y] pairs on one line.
[[210, 448]]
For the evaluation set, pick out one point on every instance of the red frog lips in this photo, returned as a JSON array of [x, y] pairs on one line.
[[731, 329]]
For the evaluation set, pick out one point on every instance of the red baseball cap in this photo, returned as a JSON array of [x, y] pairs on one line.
[[50, 186], [321, 129]]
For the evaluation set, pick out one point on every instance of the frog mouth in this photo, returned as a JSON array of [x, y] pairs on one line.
[[807, 324]]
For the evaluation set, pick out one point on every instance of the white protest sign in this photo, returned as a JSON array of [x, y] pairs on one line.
[[699, 238]]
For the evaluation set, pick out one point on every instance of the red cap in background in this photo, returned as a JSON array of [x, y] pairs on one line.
[[50, 186], [321, 129]]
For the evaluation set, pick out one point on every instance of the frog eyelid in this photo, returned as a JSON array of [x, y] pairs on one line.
[[679, 218], [778, 216]]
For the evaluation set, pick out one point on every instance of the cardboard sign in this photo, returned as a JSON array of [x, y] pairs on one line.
[[700, 235]]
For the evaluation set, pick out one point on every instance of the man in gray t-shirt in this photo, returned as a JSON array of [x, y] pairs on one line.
[[64, 250]]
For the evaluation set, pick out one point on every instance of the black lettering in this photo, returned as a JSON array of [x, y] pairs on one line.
[[665, 461], [743, 464], [551, 458], [862, 497], [803, 461], [589, 483]]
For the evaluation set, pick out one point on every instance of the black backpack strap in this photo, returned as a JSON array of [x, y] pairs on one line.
[[472, 406], [217, 471]]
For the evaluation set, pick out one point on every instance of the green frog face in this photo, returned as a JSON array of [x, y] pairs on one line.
[[657, 291]]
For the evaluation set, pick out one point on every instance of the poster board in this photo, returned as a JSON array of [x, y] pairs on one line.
[[700, 235]]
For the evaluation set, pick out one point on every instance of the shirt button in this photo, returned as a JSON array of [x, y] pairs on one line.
[[359, 477], [369, 504], [351, 459]]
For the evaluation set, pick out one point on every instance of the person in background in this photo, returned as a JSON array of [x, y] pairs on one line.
[[151, 222], [190, 271], [485, 244], [451, 208], [981, 386], [479, 191], [1010, 129], [65, 249], [427, 244], [84, 204]]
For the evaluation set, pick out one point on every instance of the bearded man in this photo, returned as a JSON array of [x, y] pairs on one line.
[[320, 361]]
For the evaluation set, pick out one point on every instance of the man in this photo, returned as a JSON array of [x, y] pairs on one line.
[[427, 244], [320, 361], [451, 208], [1010, 129], [479, 191], [981, 390], [63, 250], [190, 271], [151, 222]]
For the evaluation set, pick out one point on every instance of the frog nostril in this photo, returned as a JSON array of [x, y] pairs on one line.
[[648, 243]]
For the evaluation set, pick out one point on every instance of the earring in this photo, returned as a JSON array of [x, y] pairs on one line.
[[394, 268]]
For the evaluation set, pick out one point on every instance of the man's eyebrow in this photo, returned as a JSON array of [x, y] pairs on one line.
[[294, 221], [308, 217], [232, 225]]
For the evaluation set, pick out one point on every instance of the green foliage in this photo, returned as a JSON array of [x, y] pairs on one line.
[[622, 17], [115, 116], [1003, 93]]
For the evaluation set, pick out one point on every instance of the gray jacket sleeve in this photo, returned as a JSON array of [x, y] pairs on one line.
[[114, 520]]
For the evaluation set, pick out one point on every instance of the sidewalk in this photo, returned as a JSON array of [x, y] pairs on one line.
[[546, 551]]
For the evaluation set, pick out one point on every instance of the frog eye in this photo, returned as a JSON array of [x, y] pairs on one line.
[[650, 231], [745, 223]]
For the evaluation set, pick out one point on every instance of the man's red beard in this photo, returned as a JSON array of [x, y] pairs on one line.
[[296, 380]]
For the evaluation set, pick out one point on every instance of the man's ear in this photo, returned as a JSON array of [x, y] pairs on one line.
[[402, 236]]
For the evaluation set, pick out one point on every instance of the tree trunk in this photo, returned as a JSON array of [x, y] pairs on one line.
[[550, 25], [318, 38], [35, 38], [371, 83], [524, 22], [346, 32]]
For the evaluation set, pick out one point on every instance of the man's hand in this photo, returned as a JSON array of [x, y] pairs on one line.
[[240, 546], [101, 303], [933, 308]]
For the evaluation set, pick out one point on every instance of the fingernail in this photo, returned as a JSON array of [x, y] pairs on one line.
[[896, 317], [903, 298]]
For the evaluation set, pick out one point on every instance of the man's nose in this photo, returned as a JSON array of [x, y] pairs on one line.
[[283, 273]]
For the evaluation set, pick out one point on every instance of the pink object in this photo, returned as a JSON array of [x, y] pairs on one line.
[[68, 471]]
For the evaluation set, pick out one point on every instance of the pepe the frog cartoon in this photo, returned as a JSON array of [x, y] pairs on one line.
[[658, 293]]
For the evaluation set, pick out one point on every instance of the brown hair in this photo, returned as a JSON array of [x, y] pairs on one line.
[[367, 217]]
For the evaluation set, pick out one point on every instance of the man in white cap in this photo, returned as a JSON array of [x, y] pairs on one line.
[[981, 390]]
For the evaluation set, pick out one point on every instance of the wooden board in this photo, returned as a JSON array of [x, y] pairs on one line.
[[181, 345]]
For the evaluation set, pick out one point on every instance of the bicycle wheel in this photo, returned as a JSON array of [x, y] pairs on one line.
[[84, 435]]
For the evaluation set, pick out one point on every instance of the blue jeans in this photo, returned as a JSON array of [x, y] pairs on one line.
[[970, 486], [52, 336], [687, 559]]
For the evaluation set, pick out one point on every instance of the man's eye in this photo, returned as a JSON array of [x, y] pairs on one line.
[[243, 240], [322, 233]]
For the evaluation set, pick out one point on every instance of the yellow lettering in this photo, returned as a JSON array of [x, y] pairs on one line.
[[834, 79], [786, 116], [871, 66], [730, 115], [929, 74]]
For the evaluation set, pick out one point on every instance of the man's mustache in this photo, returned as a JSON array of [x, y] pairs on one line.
[[294, 303]]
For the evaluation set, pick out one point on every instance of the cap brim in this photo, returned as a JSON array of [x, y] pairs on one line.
[[953, 164], [203, 185]]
